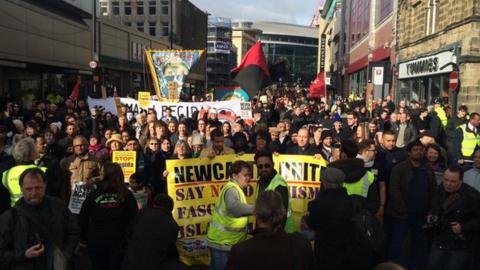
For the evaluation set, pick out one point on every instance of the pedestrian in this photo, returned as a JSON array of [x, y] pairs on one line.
[[465, 141], [105, 216], [455, 223], [330, 216], [229, 222], [271, 247], [39, 232], [411, 192], [472, 176]]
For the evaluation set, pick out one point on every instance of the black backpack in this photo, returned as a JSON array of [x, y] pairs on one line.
[[369, 235]]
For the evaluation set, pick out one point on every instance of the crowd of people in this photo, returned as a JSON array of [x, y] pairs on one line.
[[414, 168]]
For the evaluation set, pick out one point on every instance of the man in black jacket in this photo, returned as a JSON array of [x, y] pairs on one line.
[[303, 146], [271, 247], [330, 216], [455, 222], [152, 238], [36, 228]]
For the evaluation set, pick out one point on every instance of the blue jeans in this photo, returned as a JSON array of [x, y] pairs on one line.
[[218, 259], [441, 259], [400, 228]]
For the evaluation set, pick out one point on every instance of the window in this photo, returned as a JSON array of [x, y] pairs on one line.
[[152, 7], [140, 26], [152, 28], [384, 8], [103, 8], [129, 24], [165, 29], [127, 8], [139, 8], [359, 20], [115, 8], [432, 16], [165, 7]]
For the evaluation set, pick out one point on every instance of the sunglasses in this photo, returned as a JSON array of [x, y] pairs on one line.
[[261, 166]]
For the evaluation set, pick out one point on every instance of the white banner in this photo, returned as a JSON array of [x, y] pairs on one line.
[[229, 107]]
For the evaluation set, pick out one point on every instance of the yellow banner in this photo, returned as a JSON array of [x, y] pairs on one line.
[[144, 99], [195, 184], [126, 160]]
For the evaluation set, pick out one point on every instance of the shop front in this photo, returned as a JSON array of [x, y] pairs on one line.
[[426, 78]]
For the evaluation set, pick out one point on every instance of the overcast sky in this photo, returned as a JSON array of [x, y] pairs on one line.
[[287, 11]]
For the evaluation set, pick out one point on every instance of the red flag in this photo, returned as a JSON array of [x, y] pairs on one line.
[[252, 74], [75, 91], [317, 87]]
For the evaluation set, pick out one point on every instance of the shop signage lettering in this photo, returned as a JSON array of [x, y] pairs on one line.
[[426, 66], [423, 66]]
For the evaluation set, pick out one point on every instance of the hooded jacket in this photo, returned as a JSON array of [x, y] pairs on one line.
[[354, 170]]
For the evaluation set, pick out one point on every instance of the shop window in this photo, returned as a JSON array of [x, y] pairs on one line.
[[152, 7], [127, 8], [115, 8], [139, 8]]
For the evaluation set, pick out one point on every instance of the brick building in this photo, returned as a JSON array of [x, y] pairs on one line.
[[432, 34]]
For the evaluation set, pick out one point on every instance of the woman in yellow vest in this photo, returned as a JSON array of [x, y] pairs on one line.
[[229, 222]]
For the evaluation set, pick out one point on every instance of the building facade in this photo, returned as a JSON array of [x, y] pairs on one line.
[[295, 44], [243, 37], [221, 55], [434, 38], [47, 46], [369, 60]]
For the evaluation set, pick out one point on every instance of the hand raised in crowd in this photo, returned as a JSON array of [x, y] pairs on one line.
[[34, 251], [166, 173]]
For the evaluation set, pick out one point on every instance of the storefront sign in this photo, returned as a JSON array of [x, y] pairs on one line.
[[322, 52], [378, 75], [426, 66]]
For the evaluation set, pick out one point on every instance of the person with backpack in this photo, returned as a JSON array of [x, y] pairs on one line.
[[330, 216]]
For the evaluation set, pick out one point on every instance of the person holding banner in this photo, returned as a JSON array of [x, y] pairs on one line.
[[218, 146], [269, 179], [229, 222]]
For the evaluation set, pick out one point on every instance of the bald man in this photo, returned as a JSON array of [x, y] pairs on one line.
[[303, 146]]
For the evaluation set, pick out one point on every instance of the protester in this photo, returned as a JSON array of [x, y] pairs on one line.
[[151, 241], [218, 147], [411, 194], [105, 216], [271, 247], [39, 232], [455, 223], [229, 221]]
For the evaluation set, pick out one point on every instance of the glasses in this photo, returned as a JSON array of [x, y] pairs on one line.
[[261, 166]]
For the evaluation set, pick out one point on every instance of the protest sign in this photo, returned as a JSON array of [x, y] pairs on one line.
[[233, 108], [80, 191], [195, 184], [144, 99], [169, 69], [127, 160]]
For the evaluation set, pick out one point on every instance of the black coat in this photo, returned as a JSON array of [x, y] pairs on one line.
[[151, 242], [330, 216], [153, 173], [463, 207], [297, 150], [17, 233], [280, 251]]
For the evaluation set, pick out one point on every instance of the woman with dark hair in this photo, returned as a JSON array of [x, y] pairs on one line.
[[105, 216], [240, 143], [435, 161], [271, 247], [262, 140], [165, 147]]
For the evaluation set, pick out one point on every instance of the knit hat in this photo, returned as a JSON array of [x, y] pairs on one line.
[[326, 134], [332, 176]]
